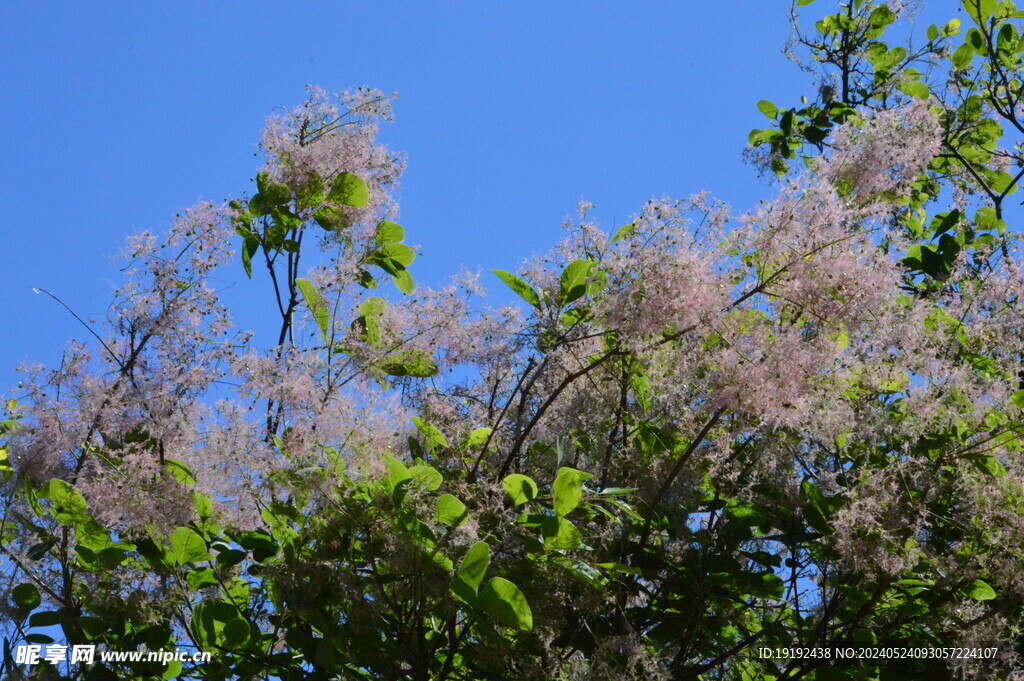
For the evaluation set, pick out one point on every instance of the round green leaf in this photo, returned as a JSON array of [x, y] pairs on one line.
[[68, 504], [389, 232], [520, 488], [450, 510], [559, 533], [767, 108], [916, 89], [187, 546], [180, 472], [980, 591], [26, 596], [426, 477], [502, 600], [478, 437], [349, 190]]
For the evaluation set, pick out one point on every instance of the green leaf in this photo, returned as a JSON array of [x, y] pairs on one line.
[[330, 218], [980, 591], [39, 638], [365, 279], [47, 618], [91, 534], [963, 56], [619, 567], [768, 586], [945, 221], [466, 582], [522, 289], [317, 306], [389, 232], [275, 235], [398, 253], [414, 363], [219, 625], [257, 207], [5, 461], [477, 438], [915, 89], [986, 218], [502, 600], [567, 495], [180, 472], [597, 282], [403, 281], [249, 248], [624, 232], [1000, 181], [349, 190], [767, 108], [203, 505], [559, 533], [276, 195], [187, 546], [764, 558], [566, 489], [38, 551], [202, 578], [397, 471], [426, 477], [786, 124], [814, 135], [262, 180], [743, 514], [818, 510], [26, 596], [573, 283], [881, 16], [1007, 40], [431, 432], [976, 39], [989, 465], [371, 311], [69, 505], [1017, 398], [230, 557], [520, 488], [450, 510], [979, 10]]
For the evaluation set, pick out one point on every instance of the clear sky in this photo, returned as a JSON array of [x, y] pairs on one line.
[[115, 115]]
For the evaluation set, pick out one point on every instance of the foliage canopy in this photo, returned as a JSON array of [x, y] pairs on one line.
[[701, 436]]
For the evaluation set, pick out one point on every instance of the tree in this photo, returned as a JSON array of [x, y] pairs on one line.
[[692, 447]]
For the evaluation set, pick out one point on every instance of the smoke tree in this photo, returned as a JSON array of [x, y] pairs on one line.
[[694, 437]]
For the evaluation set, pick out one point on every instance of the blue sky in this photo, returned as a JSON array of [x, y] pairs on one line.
[[116, 115]]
